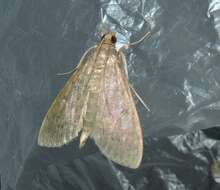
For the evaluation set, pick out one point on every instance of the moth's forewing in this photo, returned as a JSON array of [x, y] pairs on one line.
[[118, 133], [63, 120]]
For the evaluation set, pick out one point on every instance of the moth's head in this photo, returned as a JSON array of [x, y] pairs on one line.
[[109, 38]]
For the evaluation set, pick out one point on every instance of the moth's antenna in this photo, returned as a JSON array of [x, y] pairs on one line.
[[66, 73], [102, 14], [146, 36], [104, 28]]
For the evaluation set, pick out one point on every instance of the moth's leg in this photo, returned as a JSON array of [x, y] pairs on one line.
[[139, 98], [126, 70]]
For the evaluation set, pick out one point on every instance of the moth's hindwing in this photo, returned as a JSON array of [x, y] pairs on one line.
[[118, 133], [63, 120]]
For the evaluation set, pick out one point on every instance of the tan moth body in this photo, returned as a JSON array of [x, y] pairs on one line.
[[97, 102]]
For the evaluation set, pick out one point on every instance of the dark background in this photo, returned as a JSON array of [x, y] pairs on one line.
[[176, 71]]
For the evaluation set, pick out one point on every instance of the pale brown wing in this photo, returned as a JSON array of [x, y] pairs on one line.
[[63, 120], [118, 133]]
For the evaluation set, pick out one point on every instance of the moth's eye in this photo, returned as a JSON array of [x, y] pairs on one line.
[[113, 39]]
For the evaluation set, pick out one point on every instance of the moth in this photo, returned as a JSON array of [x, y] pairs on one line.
[[97, 102]]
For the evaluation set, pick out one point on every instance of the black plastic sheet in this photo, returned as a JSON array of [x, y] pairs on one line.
[[176, 72]]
